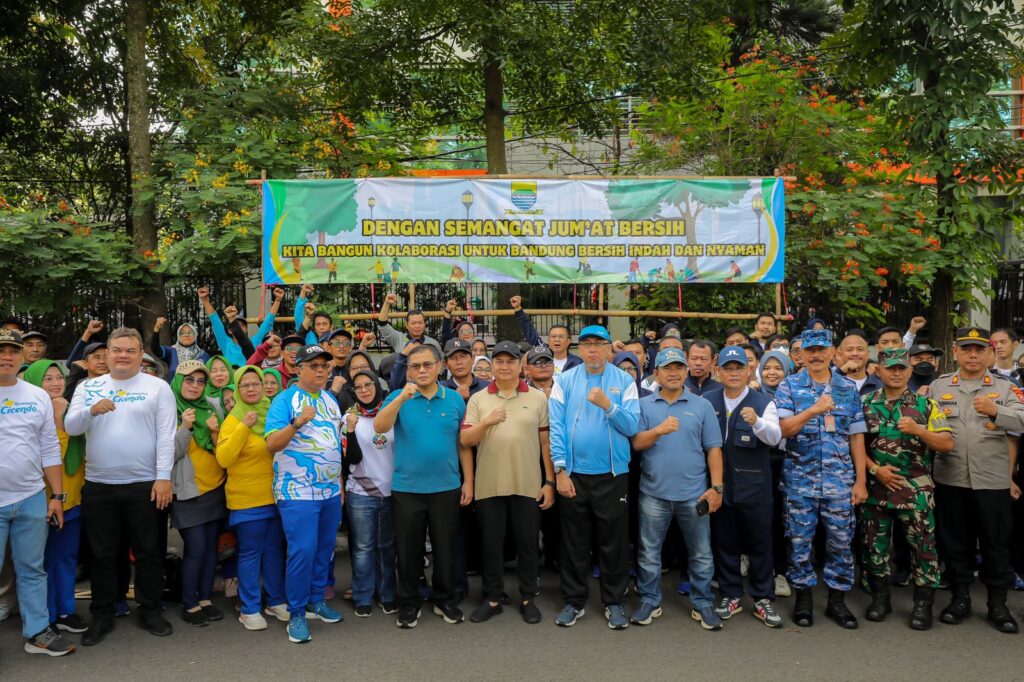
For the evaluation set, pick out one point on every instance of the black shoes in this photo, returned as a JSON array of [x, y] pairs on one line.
[[197, 618], [921, 616], [803, 611], [450, 613], [155, 624], [485, 611], [71, 623], [101, 626], [881, 603], [998, 614], [838, 611], [212, 612], [959, 608], [530, 612]]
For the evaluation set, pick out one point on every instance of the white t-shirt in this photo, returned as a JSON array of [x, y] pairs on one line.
[[135, 442], [29, 441], [560, 364], [372, 476]]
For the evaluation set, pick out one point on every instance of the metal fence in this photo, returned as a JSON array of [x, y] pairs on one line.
[[1008, 296]]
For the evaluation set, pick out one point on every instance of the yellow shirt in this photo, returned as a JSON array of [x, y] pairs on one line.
[[250, 466], [72, 484], [209, 473]]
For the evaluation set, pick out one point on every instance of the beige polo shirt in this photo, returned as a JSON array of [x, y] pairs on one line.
[[508, 459]]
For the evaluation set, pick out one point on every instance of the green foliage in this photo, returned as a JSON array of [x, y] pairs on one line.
[[720, 298]]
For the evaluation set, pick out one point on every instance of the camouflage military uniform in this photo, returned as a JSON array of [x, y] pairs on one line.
[[913, 504], [818, 476]]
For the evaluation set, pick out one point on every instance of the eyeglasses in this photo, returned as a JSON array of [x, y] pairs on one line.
[[317, 366], [364, 387], [423, 366], [149, 369], [341, 344], [187, 333], [197, 381], [482, 370], [557, 337], [248, 385], [593, 345], [542, 363]]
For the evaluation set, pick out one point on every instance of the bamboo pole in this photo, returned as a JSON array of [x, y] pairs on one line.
[[412, 295], [583, 312]]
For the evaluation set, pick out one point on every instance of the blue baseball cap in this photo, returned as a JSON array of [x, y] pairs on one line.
[[816, 338], [595, 330], [732, 354], [668, 356]]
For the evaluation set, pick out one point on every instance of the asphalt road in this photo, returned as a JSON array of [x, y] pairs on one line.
[[673, 647]]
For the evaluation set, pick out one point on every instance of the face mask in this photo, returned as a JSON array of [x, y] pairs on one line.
[[924, 369]]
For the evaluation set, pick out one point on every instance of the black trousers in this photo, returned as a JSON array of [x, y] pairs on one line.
[[597, 516], [744, 529], [551, 531], [967, 519], [522, 514], [107, 512], [780, 546], [414, 513]]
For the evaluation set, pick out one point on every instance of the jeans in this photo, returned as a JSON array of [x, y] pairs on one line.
[[62, 564], [24, 523], [260, 554], [310, 528], [655, 516], [372, 534], [199, 564]]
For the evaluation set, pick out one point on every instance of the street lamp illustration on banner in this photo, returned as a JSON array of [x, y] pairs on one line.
[[467, 201], [757, 206], [371, 202]]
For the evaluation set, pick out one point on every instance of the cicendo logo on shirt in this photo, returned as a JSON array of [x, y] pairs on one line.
[[123, 396], [12, 407]]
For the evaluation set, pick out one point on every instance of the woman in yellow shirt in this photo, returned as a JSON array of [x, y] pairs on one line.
[[199, 506], [243, 451], [61, 557]]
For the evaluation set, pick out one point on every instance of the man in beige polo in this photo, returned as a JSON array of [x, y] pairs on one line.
[[508, 425]]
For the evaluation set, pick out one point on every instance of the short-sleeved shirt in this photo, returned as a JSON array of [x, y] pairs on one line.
[[818, 462], [888, 446], [675, 468], [309, 466], [508, 459], [427, 442]]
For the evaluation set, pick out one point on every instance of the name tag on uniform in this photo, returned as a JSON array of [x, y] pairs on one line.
[[744, 438], [830, 423]]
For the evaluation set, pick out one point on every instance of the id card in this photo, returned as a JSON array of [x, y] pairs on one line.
[[830, 423]]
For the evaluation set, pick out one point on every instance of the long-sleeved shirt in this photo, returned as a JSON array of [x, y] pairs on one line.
[[397, 340], [29, 438], [135, 442], [231, 350], [258, 359], [767, 427]]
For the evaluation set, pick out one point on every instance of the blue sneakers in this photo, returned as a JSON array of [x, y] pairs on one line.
[[684, 585], [324, 612], [298, 630], [645, 614], [708, 619], [616, 617], [567, 618]]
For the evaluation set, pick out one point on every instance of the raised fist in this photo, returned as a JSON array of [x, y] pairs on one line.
[[278, 293], [204, 293], [516, 302]]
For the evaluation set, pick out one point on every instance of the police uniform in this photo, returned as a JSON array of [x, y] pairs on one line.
[[972, 492]]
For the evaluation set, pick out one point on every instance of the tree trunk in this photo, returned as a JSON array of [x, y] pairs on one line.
[[494, 135], [142, 216]]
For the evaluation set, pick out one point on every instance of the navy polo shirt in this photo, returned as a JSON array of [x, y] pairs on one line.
[[427, 442]]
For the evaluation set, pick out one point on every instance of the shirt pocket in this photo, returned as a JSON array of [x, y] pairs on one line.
[[872, 421]]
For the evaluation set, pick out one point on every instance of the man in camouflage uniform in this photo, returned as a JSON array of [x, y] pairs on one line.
[[902, 427], [972, 483], [823, 474]]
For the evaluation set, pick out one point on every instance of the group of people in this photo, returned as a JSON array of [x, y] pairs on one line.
[[776, 456]]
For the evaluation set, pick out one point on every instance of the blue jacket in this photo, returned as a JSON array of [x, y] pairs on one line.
[[568, 397]]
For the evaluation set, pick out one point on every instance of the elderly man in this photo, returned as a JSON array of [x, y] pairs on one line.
[[594, 411], [559, 338]]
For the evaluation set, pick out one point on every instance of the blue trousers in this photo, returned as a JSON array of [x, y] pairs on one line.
[[24, 524], [199, 565], [655, 516], [260, 554], [372, 533], [310, 527], [802, 514], [61, 562]]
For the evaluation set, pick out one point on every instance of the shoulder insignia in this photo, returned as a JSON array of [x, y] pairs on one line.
[[1018, 392], [987, 380], [955, 380]]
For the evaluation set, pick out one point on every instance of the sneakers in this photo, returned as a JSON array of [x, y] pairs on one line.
[[49, 642], [71, 623], [530, 612], [569, 615], [451, 613], [212, 612], [728, 607], [765, 611], [684, 586], [646, 614], [7, 611], [707, 618], [485, 611], [324, 612], [616, 617], [364, 611], [252, 621], [389, 607], [121, 608], [1018, 584], [279, 611], [101, 626], [298, 629], [197, 618], [408, 617], [782, 588]]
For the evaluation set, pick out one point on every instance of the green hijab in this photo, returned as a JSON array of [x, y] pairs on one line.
[[216, 395], [260, 407], [74, 455], [200, 431], [280, 380]]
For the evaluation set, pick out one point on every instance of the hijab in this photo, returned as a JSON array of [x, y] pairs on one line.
[[346, 396], [75, 452], [260, 407], [191, 351], [369, 409], [200, 431], [215, 395], [787, 369], [624, 355], [280, 381]]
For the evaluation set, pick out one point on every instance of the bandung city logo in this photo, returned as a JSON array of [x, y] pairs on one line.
[[524, 194], [11, 407]]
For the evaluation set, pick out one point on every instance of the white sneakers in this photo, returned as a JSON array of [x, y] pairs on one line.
[[782, 586], [279, 611], [252, 621]]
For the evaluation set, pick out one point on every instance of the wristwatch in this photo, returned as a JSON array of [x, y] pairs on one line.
[[874, 470], [61, 497], [550, 483], [559, 470], [720, 489], [294, 425]]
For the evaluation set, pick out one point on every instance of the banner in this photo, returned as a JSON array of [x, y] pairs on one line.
[[615, 231]]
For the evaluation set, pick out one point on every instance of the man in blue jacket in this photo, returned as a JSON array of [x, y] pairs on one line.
[[593, 411]]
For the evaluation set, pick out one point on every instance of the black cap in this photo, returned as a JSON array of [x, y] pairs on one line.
[[921, 348], [326, 338], [310, 352], [93, 347], [508, 348], [972, 336], [538, 353], [456, 345], [33, 335], [292, 338]]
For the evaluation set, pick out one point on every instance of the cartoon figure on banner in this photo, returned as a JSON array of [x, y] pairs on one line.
[[528, 269], [634, 271], [332, 270], [458, 274], [734, 271], [378, 269], [670, 271], [395, 269]]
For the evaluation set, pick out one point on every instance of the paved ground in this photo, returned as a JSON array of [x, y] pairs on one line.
[[673, 647]]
